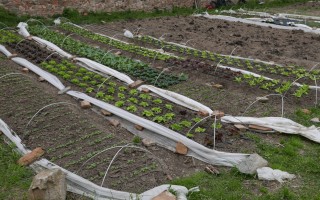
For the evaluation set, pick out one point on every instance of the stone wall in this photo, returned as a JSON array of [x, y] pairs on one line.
[[50, 7]]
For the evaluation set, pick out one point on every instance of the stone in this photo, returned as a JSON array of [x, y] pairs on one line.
[[262, 99], [139, 128], [25, 70], [203, 113], [211, 170], [259, 128], [217, 113], [105, 112], [29, 158], [241, 127], [41, 79], [250, 164], [12, 56], [114, 122], [169, 177], [218, 86], [145, 90], [306, 111], [85, 104], [136, 84], [48, 185], [148, 142], [316, 120], [118, 53], [165, 195], [64, 90], [181, 148]]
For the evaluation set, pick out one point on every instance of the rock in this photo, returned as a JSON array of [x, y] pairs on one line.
[[240, 127], [85, 104], [138, 127], [218, 86], [25, 70], [48, 185], [114, 122], [217, 113], [169, 177], [31, 157], [262, 99], [12, 56], [41, 79], [105, 112], [64, 90], [259, 128], [316, 120], [181, 148], [306, 111], [148, 143], [136, 84], [251, 164], [118, 53], [165, 195], [203, 113], [211, 170], [145, 90]]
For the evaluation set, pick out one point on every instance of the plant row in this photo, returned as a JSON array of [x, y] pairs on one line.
[[139, 103], [278, 86], [8, 36], [288, 73], [119, 63], [115, 43]]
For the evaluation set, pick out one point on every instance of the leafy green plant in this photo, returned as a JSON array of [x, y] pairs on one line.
[[132, 108], [108, 98], [196, 119], [122, 88], [119, 104], [186, 123], [190, 135], [133, 92], [121, 96], [200, 130], [133, 100], [169, 106], [218, 125], [144, 104], [147, 113], [145, 96], [156, 110], [303, 90], [89, 90], [169, 116], [176, 127], [159, 119], [157, 101], [100, 94]]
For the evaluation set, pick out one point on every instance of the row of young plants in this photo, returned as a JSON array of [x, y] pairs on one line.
[[139, 103], [123, 64], [8, 37], [288, 73], [115, 43]]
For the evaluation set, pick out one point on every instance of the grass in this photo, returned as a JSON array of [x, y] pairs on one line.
[[14, 179], [293, 154]]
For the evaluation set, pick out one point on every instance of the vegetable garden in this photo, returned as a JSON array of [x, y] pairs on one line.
[[204, 77]]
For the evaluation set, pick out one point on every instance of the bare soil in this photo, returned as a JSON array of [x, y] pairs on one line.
[[70, 136], [307, 8], [219, 36]]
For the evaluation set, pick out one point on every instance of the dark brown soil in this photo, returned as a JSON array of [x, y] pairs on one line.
[[70, 136], [219, 36]]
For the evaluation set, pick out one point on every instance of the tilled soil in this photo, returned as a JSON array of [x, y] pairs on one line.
[[219, 36], [304, 8], [70, 136]]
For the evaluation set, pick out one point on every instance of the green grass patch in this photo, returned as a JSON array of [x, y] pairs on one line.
[[291, 153], [14, 179]]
